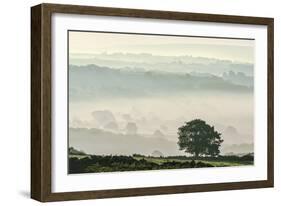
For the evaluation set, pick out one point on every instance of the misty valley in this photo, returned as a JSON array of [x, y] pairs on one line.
[[127, 118], [153, 102]]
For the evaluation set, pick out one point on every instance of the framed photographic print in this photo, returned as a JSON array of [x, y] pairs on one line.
[[130, 102]]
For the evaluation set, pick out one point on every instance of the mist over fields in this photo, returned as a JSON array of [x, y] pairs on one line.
[[134, 103]]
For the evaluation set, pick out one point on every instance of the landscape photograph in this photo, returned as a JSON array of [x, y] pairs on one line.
[[141, 102]]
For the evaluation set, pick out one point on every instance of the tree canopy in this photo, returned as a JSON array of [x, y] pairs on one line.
[[198, 138]]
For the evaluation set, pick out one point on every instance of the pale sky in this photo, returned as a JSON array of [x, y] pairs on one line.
[[228, 49]]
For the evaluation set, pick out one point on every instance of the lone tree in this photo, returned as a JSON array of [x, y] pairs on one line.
[[198, 138]]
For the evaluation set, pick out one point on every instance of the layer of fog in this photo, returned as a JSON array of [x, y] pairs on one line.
[[231, 114], [128, 110], [149, 62], [93, 82], [101, 142]]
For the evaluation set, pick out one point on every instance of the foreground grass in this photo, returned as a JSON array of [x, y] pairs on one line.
[[215, 163], [96, 163]]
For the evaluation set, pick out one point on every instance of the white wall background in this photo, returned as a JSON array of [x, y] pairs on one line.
[[15, 102]]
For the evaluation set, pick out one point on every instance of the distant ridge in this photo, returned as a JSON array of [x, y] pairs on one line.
[[89, 81]]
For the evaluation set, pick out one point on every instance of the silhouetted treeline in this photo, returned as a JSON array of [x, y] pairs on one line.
[[73, 151], [96, 163]]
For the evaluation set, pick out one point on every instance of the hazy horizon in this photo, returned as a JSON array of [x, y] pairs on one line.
[[240, 50]]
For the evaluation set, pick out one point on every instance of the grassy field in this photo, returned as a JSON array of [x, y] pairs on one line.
[[215, 163], [84, 163]]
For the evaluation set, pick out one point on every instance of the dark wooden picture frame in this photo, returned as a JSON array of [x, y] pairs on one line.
[[41, 101]]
